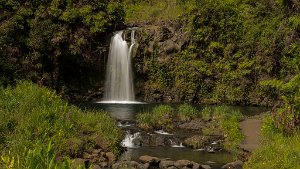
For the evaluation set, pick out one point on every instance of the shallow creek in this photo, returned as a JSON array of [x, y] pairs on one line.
[[163, 144]]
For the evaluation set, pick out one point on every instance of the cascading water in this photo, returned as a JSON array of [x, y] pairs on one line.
[[119, 82]]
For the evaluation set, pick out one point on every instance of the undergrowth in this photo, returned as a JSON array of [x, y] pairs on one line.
[[37, 127]]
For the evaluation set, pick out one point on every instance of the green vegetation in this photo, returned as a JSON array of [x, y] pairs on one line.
[[161, 117], [277, 151], [226, 120], [220, 120], [45, 40], [155, 11], [234, 45], [280, 131], [187, 112], [37, 127]]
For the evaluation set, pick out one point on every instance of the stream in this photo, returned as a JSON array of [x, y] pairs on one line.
[[162, 144]]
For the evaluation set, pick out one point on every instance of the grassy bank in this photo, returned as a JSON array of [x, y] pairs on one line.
[[40, 130], [277, 151]]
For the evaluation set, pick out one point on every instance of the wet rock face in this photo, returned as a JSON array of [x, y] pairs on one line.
[[145, 139]]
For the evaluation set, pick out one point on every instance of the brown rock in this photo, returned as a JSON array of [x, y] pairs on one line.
[[94, 166], [110, 156], [172, 167], [87, 155], [78, 162], [96, 151], [127, 165], [95, 155], [196, 124], [195, 165], [103, 164], [183, 163], [233, 165], [166, 163], [205, 167], [148, 159]]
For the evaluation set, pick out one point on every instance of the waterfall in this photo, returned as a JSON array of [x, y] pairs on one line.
[[119, 82]]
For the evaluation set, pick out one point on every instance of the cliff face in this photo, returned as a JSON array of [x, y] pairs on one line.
[[157, 45]]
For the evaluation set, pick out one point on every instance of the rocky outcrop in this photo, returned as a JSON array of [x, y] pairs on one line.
[[159, 44]]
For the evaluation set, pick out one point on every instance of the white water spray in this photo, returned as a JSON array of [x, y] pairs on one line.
[[119, 82]]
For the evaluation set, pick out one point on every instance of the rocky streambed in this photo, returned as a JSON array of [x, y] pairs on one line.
[[186, 146]]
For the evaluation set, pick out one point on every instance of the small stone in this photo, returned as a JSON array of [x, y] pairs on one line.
[[166, 163], [102, 154], [110, 156], [148, 159], [210, 162], [95, 155], [205, 167], [233, 165], [78, 162], [94, 166], [96, 151], [103, 164], [172, 167], [86, 155], [101, 159], [146, 165], [195, 165], [183, 163]]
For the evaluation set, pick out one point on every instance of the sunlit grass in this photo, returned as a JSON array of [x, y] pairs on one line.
[[161, 117], [187, 112], [155, 10], [277, 151], [34, 118]]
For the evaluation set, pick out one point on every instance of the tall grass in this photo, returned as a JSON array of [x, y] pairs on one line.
[[32, 117], [161, 117], [187, 112]]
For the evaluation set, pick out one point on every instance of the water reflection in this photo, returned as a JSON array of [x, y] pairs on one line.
[[121, 112]]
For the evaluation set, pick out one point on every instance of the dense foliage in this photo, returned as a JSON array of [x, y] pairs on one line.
[[233, 47], [42, 40], [37, 127]]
